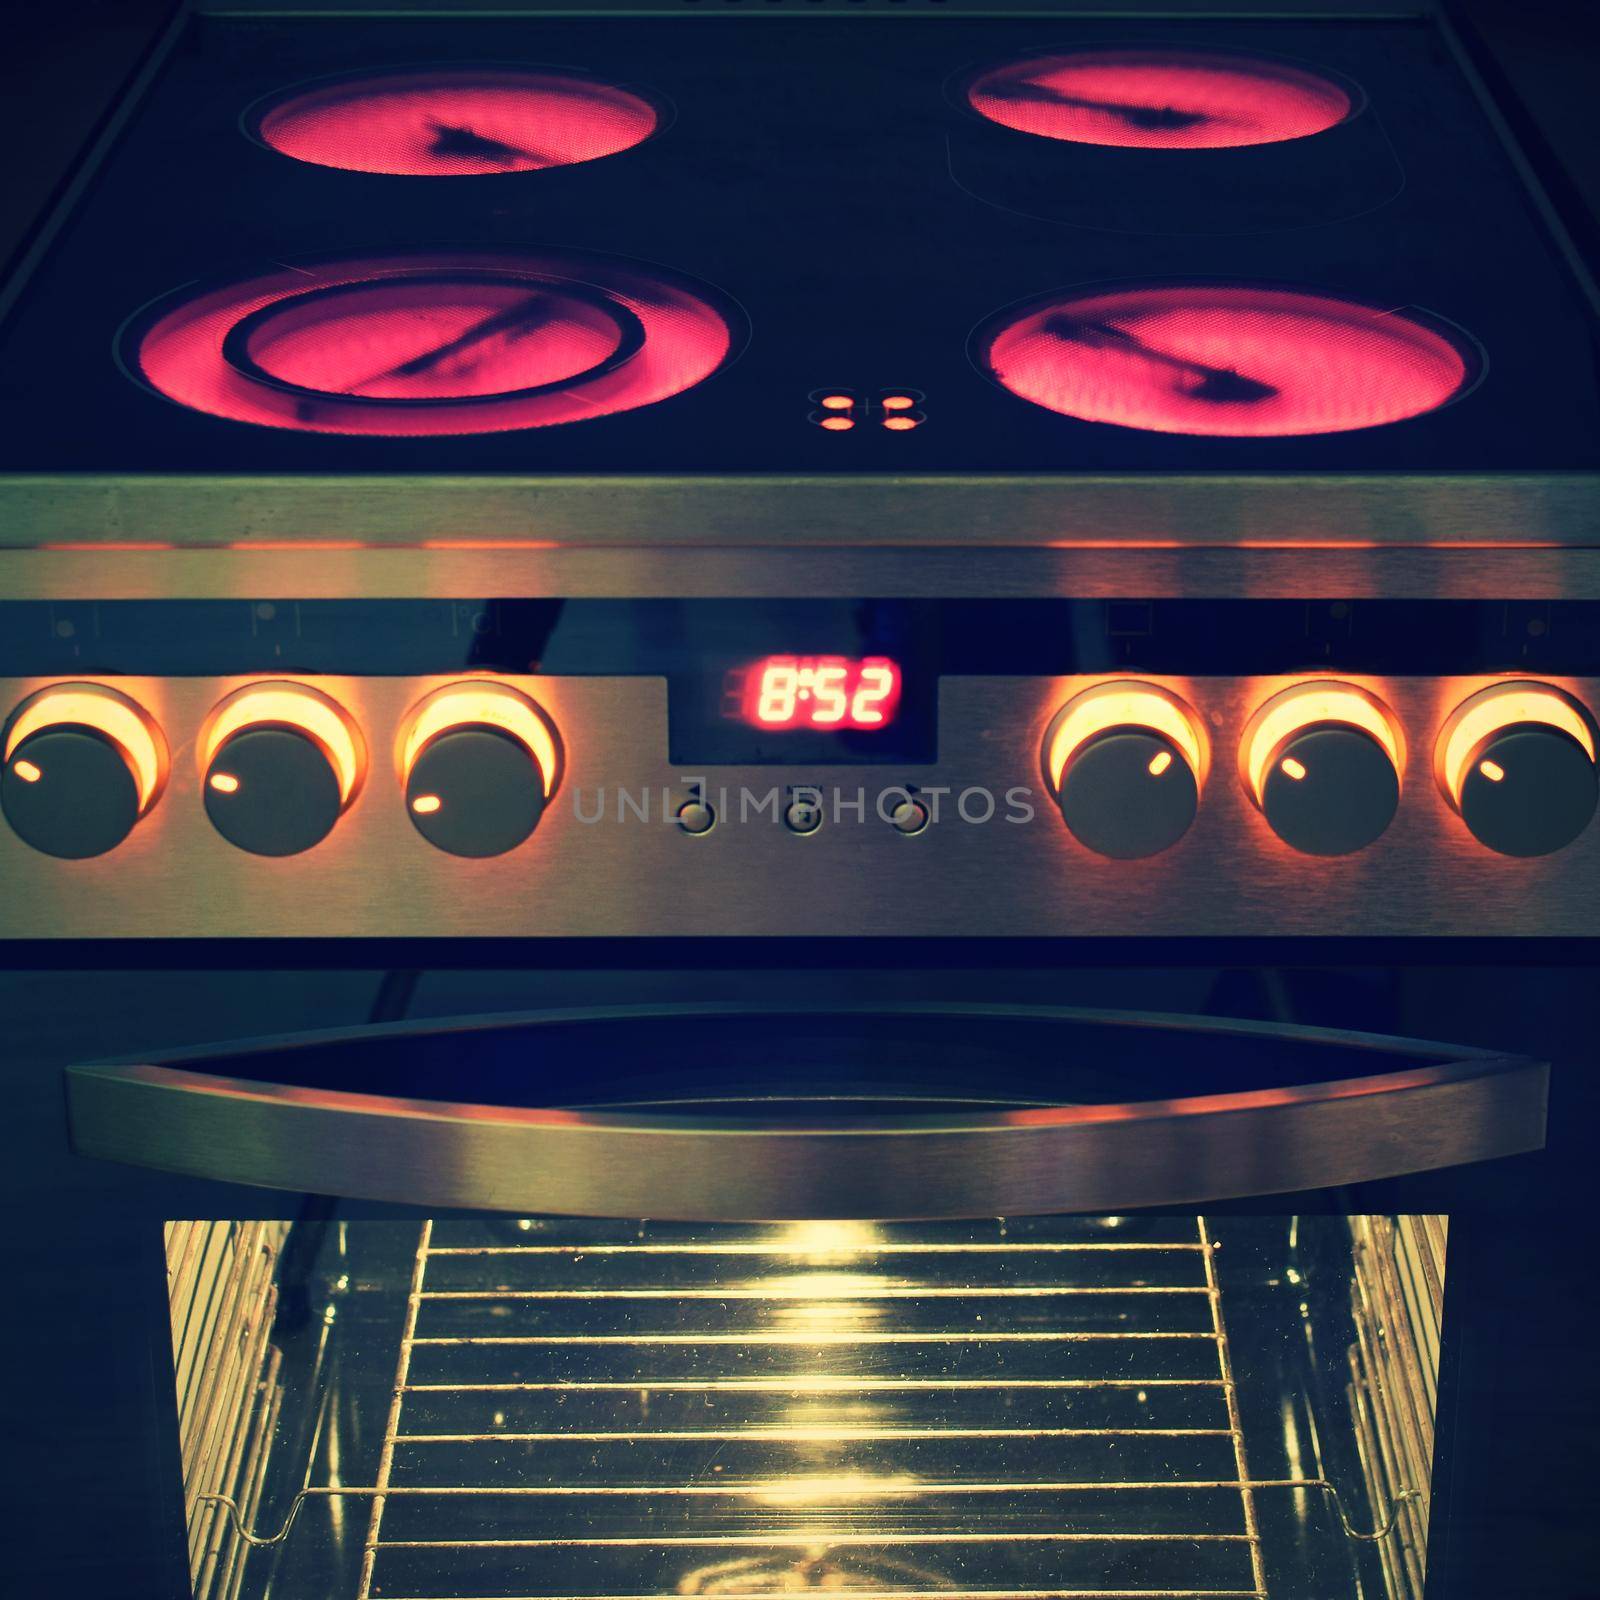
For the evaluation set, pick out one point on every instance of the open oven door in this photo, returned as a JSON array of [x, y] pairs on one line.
[[742, 1113]]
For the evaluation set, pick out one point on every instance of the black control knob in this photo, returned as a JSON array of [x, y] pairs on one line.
[[83, 763], [1124, 762], [281, 762], [480, 766], [1322, 761], [1518, 763]]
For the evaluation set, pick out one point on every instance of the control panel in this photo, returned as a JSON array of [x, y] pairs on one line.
[[490, 803]]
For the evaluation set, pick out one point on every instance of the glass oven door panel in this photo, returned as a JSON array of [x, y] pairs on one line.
[[1092, 1406], [729, 1113]]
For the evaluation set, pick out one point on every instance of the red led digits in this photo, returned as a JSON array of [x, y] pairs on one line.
[[454, 122], [817, 692], [1226, 360], [1159, 99], [433, 343]]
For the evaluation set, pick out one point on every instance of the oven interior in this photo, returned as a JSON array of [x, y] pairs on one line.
[[478, 1407]]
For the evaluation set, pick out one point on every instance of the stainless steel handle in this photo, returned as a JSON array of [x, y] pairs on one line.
[[635, 1164]]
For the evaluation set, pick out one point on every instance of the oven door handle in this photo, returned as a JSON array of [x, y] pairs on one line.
[[632, 1164]]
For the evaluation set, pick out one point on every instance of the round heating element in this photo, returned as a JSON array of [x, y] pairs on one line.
[[455, 121], [1225, 360], [1159, 99], [458, 342]]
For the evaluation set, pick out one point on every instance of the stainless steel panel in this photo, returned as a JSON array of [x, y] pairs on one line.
[[811, 511], [375, 876], [77, 571], [950, 1164]]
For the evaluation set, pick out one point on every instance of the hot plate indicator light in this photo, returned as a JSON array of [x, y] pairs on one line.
[[82, 764], [280, 762], [1517, 761], [1322, 761], [1125, 761], [480, 762]]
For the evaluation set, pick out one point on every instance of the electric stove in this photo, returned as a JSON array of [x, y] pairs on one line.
[[792, 470]]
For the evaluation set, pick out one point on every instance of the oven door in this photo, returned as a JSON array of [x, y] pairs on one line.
[[739, 1113]]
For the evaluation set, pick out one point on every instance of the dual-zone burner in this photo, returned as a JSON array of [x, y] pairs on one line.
[[437, 343], [467, 341]]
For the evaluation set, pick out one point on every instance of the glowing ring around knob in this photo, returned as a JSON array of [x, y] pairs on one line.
[[1303, 706], [1121, 704], [110, 714], [289, 705], [482, 704], [1503, 705]]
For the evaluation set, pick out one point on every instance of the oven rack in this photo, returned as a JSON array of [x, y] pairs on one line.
[[223, 1296], [694, 1414]]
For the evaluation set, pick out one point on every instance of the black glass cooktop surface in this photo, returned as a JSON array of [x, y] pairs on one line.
[[763, 243]]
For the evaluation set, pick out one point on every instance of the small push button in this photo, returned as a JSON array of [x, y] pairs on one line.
[[695, 817], [803, 814]]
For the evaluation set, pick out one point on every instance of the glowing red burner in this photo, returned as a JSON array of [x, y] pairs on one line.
[[456, 121], [1159, 99], [1226, 360], [469, 341]]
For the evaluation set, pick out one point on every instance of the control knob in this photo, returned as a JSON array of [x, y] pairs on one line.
[[280, 762], [1517, 761], [1125, 761], [1322, 761], [82, 764], [480, 762]]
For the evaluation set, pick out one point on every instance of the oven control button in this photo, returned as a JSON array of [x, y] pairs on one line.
[[1322, 761], [1125, 762], [803, 814], [910, 817], [696, 818], [1517, 760], [481, 762], [279, 764], [83, 763]]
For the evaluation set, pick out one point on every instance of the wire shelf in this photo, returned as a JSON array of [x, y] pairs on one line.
[[999, 1419]]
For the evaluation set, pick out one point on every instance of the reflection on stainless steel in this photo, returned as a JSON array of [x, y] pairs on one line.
[[1067, 1419], [928, 1160]]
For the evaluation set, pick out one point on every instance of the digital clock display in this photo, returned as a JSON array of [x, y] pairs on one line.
[[818, 692]]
